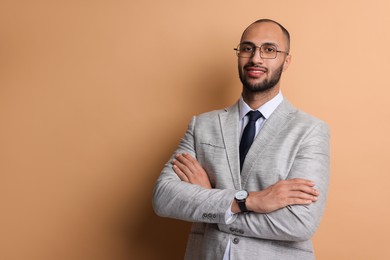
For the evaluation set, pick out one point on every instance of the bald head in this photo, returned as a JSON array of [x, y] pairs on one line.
[[283, 30]]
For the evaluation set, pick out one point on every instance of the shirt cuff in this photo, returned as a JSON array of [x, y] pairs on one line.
[[229, 215]]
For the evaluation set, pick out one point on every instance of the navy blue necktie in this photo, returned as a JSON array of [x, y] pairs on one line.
[[248, 135]]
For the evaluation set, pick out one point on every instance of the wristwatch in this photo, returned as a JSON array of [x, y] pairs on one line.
[[240, 197]]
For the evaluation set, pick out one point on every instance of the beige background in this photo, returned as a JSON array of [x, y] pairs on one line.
[[95, 95]]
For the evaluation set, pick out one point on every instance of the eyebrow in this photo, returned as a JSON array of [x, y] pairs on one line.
[[268, 43]]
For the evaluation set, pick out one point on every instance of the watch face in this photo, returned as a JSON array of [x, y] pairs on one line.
[[242, 194]]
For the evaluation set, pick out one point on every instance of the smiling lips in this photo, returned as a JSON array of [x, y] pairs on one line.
[[254, 71]]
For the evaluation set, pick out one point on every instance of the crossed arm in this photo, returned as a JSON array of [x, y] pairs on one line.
[[283, 193], [288, 210]]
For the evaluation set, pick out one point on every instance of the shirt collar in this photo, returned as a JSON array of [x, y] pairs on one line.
[[266, 110]]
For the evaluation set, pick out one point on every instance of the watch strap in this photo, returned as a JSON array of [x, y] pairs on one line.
[[242, 206]]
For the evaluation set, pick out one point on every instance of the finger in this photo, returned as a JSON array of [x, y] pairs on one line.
[[194, 162], [182, 167], [180, 174], [189, 157], [298, 184], [182, 159], [297, 201], [303, 196], [186, 160], [306, 189], [302, 181]]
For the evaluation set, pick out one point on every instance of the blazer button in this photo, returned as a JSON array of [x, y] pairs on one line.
[[236, 240], [204, 215], [214, 215]]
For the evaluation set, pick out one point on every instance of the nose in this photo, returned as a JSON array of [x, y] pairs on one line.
[[256, 56]]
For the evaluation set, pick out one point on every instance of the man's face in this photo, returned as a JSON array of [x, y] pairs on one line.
[[258, 74]]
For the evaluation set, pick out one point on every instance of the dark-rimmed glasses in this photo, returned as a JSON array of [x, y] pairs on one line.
[[248, 49]]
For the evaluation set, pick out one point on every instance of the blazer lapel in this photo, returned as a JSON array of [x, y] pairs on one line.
[[229, 127], [274, 124]]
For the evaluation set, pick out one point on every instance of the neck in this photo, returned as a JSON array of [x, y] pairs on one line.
[[257, 99]]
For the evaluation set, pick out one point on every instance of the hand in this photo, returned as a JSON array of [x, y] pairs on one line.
[[188, 169], [281, 194]]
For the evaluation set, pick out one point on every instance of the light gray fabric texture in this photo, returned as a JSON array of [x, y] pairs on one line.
[[291, 144]]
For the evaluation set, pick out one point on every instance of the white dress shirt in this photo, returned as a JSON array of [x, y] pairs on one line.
[[266, 110]]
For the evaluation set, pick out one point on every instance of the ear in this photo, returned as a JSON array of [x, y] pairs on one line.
[[287, 62]]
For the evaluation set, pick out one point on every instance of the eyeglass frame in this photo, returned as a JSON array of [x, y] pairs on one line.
[[260, 52]]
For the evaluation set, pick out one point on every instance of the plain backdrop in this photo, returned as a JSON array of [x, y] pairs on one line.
[[95, 96]]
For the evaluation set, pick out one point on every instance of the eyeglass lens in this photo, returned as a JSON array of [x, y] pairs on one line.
[[267, 51]]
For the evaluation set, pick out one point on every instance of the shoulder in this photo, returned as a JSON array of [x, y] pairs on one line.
[[213, 120], [306, 118], [307, 123], [210, 114], [215, 114], [299, 116]]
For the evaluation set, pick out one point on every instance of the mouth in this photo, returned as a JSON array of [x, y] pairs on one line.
[[255, 71]]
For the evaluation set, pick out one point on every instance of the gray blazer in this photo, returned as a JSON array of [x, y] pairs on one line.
[[291, 144]]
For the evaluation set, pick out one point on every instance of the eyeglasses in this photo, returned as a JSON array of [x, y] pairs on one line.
[[248, 49]]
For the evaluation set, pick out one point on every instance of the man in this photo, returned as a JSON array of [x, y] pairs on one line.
[[258, 186]]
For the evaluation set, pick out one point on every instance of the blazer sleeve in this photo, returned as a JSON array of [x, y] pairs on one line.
[[180, 200], [296, 222]]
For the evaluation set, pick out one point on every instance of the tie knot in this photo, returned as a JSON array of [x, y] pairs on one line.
[[254, 115]]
